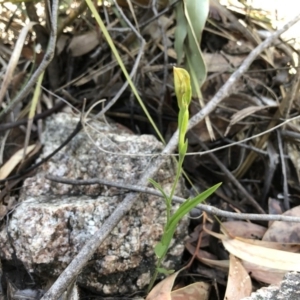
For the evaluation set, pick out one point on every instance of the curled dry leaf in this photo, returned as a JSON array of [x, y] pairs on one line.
[[208, 258], [285, 232], [239, 282], [195, 291], [162, 291], [262, 274], [84, 43], [244, 229], [262, 256]]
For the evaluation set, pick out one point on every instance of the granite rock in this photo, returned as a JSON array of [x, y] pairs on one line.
[[288, 289], [53, 220]]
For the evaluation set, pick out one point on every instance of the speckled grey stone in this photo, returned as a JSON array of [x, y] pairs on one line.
[[54, 220], [289, 289]]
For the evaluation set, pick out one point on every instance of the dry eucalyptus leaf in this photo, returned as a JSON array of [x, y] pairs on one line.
[[208, 258], [162, 291], [285, 232], [266, 275], [260, 253], [239, 283], [244, 229], [262, 256], [195, 291], [84, 43]]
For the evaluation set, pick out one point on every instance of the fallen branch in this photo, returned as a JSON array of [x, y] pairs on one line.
[[202, 207]]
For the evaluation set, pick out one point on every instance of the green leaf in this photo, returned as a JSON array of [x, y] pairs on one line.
[[159, 187], [183, 150], [184, 209], [180, 31], [165, 271], [196, 13], [188, 205], [160, 249]]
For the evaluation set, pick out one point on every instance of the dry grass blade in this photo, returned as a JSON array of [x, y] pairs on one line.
[[33, 107], [240, 115], [282, 111], [13, 162], [14, 60]]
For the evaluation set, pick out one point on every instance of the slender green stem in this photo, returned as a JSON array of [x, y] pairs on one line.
[[153, 279]]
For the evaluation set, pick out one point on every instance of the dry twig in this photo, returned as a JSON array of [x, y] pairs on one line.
[[202, 207], [45, 62]]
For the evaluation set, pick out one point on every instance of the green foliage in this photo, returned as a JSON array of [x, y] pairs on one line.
[[182, 87], [183, 93], [165, 271], [191, 16], [162, 247]]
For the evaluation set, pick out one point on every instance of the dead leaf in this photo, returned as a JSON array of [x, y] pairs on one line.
[[252, 251], [162, 291], [208, 258], [84, 43], [217, 63], [244, 229], [154, 29], [285, 232], [266, 275], [262, 256], [239, 282], [195, 291]]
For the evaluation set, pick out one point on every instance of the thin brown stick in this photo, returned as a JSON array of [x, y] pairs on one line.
[[46, 113], [72, 15], [203, 207], [89, 248], [43, 65], [232, 178]]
